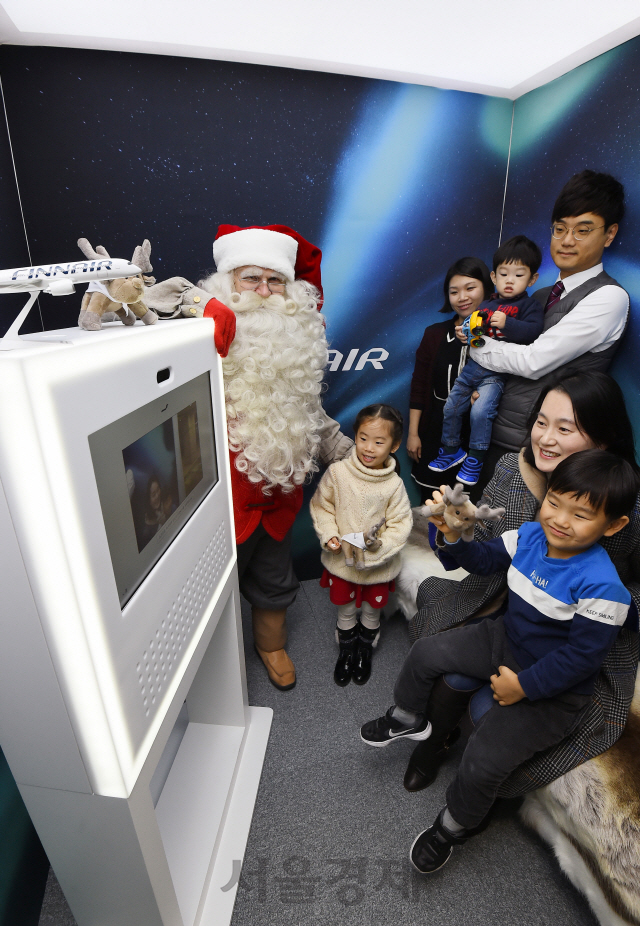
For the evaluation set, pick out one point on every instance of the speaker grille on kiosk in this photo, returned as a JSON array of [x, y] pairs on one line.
[[161, 657]]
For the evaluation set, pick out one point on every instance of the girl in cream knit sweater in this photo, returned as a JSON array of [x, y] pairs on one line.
[[362, 516]]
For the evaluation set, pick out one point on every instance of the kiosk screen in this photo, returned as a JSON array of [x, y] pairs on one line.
[[153, 468]]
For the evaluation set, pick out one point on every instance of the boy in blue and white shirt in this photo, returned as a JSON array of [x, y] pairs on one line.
[[565, 607]]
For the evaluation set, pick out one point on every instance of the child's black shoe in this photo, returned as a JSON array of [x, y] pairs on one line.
[[432, 849], [348, 643], [386, 730], [367, 640]]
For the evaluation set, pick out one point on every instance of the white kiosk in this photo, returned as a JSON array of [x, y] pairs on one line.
[[123, 703]]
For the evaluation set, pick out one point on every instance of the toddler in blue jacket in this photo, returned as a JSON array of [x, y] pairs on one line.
[[512, 316], [565, 607]]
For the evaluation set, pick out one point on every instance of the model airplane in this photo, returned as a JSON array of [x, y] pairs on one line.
[[57, 280]]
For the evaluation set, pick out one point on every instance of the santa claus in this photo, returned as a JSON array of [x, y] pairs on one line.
[[268, 293]]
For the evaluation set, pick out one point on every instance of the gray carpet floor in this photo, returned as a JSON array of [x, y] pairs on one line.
[[333, 825]]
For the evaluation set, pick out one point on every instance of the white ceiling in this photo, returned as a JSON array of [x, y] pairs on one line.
[[500, 47]]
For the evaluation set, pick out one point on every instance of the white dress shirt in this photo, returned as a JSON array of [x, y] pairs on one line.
[[594, 324]]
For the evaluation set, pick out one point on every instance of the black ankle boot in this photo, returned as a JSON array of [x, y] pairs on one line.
[[426, 760], [367, 639], [348, 642], [445, 709]]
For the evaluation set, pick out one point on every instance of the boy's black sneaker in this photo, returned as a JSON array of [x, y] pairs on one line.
[[386, 730], [432, 849]]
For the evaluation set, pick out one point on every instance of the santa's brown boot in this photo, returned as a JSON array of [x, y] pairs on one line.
[[270, 637]]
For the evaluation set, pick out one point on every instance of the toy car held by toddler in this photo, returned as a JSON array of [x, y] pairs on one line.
[[475, 326]]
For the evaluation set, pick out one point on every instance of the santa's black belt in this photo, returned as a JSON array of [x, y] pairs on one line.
[[262, 505]]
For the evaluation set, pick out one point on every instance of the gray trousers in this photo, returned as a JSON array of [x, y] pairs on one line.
[[505, 736], [265, 571]]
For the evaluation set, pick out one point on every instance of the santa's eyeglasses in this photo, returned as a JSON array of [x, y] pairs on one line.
[[254, 280]]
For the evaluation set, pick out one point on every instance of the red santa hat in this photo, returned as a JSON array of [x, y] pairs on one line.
[[274, 247]]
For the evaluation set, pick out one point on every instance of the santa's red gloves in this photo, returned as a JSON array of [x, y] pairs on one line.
[[225, 321]]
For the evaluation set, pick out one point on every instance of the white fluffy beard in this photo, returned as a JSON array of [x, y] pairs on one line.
[[273, 379]]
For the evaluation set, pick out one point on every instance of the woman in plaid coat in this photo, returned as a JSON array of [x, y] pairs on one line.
[[576, 413]]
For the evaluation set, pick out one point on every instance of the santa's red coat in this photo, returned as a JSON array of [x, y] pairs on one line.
[[251, 506]]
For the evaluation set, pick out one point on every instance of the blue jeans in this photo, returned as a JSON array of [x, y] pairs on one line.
[[490, 386], [478, 688]]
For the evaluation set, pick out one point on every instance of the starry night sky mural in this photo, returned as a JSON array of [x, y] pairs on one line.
[[393, 181]]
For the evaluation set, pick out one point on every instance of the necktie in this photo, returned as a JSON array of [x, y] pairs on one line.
[[556, 291]]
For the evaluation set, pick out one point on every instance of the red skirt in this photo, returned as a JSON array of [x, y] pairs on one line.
[[342, 592]]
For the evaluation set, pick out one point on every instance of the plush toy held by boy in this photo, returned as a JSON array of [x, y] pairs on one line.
[[512, 316], [565, 607]]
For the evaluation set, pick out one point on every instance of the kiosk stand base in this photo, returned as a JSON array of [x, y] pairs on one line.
[[223, 886], [193, 798], [122, 862]]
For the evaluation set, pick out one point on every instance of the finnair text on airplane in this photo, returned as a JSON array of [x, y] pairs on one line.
[[60, 279], [54, 270]]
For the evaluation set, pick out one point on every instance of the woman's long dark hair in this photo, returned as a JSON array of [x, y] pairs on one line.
[[467, 267], [600, 413]]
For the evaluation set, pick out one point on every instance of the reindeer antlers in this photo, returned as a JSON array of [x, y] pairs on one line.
[[88, 251], [484, 513], [455, 496], [141, 257]]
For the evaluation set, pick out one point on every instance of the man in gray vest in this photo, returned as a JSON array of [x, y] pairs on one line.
[[585, 311]]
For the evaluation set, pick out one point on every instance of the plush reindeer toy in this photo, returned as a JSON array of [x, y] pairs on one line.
[[459, 513], [123, 296]]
